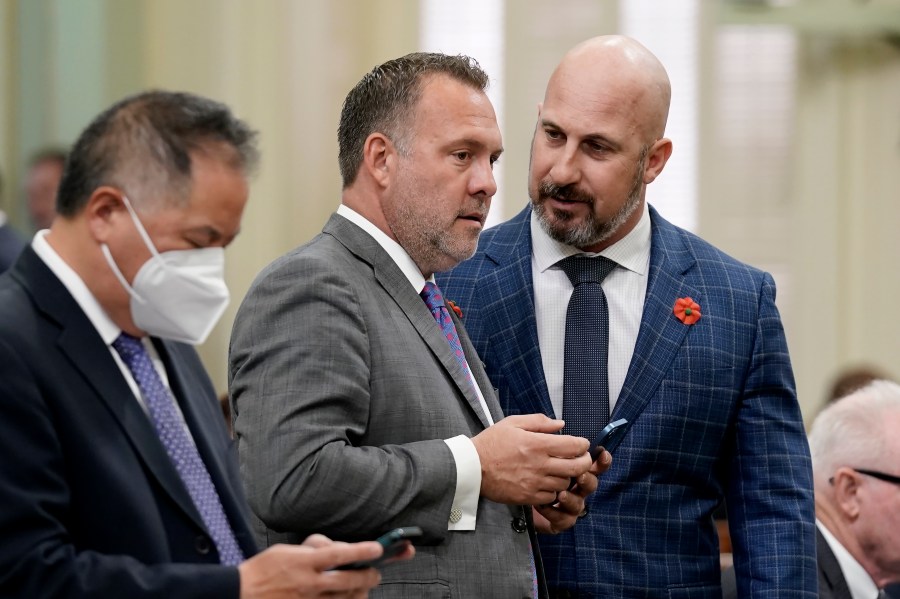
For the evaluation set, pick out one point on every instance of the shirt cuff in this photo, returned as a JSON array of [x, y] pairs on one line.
[[468, 483]]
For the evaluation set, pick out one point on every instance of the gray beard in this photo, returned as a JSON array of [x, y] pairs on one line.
[[590, 232]]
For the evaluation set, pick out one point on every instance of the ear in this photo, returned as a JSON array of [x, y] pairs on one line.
[[380, 158], [657, 159], [847, 492], [102, 211]]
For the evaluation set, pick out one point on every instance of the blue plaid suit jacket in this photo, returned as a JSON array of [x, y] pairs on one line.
[[714, 416]]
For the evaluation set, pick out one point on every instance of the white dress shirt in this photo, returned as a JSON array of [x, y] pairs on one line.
[[468, 464], [625, 289], [104, 325], [861, 584]]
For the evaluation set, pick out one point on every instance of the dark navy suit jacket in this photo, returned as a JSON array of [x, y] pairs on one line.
[[90, 503], [713, 413]]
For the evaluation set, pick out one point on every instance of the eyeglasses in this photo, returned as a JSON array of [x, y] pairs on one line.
[[875, 474]]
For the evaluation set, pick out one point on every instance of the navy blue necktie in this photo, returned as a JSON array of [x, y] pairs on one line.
[[181, 448], [585, 365]]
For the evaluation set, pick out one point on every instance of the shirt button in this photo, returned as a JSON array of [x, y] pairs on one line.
[[455, 515]]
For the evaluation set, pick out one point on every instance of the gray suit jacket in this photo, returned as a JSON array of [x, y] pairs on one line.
[[343, 389]]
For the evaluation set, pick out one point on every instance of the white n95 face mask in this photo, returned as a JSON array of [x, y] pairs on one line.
[[178, 295]]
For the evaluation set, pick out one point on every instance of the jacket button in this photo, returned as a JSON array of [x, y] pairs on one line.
[[519, 524], [202, 545], [584, 512]]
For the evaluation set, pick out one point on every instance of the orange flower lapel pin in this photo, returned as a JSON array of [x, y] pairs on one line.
[[687, 310], [455, 308]]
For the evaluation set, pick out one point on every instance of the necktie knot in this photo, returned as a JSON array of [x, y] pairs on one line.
[[128, 347], [432, 296], [582, 269]]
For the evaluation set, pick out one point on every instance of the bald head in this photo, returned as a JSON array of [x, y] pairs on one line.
[[615, 68], [599, 142]]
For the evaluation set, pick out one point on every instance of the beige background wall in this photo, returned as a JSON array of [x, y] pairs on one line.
[[826, 229]]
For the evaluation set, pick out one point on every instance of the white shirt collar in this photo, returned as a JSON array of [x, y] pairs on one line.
[[861, 584], [631, 252], [90, 306], [394, 249]]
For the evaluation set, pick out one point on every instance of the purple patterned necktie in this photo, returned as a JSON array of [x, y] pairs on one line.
[[180, 447], [434, 299]]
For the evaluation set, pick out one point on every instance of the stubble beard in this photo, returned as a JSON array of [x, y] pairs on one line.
[[429, 241]]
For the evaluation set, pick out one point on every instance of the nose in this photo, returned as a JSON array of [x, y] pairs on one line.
[[482, 181], [564, 170]]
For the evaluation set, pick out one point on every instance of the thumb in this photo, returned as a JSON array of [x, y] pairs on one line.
[[536, 423]]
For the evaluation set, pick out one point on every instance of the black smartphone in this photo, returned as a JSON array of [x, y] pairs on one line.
[[394, 543], [609, 438]]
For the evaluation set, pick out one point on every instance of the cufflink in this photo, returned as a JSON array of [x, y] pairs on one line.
[[455, 515]]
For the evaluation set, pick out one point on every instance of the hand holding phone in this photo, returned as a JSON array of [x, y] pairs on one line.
[[609, 438], [394, 543]]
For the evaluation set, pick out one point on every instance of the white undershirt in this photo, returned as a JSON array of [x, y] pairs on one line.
[[625, 289], [861, 584], [468, 464]]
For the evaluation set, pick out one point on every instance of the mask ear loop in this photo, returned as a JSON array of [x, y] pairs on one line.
[[140, 227], [147, 242], [115, 270]]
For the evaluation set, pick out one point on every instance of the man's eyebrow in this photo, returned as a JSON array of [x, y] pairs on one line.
[[591, 137], [474, 143]]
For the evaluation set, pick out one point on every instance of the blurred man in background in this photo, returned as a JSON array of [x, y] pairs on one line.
[[45, 170]]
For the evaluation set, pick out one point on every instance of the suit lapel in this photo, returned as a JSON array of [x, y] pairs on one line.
[[661, 334], [510, 250], [830, 570], [478, 372], [395, 283], [82, 345]]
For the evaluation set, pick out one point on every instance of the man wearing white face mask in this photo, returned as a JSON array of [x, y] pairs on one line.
[[116, 478]]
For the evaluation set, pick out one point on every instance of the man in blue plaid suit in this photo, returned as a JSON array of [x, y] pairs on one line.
[[697, 363]]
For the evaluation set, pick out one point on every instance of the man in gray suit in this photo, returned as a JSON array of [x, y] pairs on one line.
[[358, 406]]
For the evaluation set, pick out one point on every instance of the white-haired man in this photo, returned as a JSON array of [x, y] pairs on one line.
[[856, 466]]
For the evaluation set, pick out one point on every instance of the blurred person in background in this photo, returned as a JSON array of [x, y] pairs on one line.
[[45, 170], [11, 242]]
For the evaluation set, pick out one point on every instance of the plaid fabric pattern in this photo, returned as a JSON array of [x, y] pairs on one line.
[[714, 416]]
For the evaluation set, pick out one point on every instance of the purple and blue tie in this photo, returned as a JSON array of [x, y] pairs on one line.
[[180, 447], [434, 299]]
